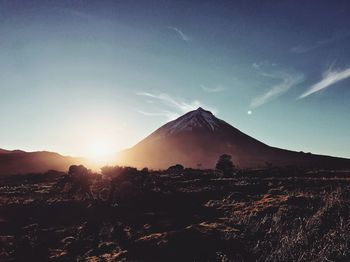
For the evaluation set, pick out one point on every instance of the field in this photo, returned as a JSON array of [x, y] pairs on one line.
[[262, 215]]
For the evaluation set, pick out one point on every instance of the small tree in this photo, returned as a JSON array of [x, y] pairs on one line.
[[176, 169], [225, 165]]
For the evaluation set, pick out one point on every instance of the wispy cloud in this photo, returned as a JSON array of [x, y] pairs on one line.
[[169, 115], [178, 105], [287, 81], [180, 33], [263, 64], [213, 89], [323, 42], [330, 77]]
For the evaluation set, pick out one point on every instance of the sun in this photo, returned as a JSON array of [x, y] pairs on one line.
[[101, 151]]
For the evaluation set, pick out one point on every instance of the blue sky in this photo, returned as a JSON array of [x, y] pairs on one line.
[[78, 73]]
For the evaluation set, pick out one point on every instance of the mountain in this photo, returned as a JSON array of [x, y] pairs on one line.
[[4, 151], [198, 138], [21, 162]]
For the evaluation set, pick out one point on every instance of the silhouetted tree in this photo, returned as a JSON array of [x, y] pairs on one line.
[[176, 169], [145, 171], [78, 178], [225, 165]]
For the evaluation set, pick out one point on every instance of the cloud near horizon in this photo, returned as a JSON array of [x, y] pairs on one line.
[[178, 104], [330, 77]]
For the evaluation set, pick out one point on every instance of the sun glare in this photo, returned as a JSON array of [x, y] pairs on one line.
[[101, 152]]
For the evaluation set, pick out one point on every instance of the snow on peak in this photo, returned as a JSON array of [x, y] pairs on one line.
[[197, 119]]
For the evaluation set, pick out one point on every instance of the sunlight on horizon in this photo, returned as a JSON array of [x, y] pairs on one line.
[[100, 149], [98, 137]]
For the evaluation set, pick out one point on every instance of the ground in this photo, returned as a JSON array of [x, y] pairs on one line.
[[264, 215]]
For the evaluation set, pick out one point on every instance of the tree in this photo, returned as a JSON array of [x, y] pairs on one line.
[[78, 178], [176, 169], [225, 165]]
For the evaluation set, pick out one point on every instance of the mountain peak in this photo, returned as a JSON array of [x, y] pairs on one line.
[[193, 120], [201, 113], [200, 109]]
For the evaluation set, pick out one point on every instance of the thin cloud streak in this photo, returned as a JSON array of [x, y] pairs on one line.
[[329, 78], [288, 81], [180, 106], [169, 115], [180, 33], [299, 49], [175, 103], [263, 64], [214, 89]]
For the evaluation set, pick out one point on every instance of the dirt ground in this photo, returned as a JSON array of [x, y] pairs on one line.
[[190, 216]]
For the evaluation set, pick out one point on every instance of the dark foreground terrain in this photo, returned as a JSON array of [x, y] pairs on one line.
[[189, 216]]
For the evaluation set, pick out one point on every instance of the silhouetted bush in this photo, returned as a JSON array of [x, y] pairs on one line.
[[225, 165], [114, 171], [127, 183], [176, 169], [78, 181]]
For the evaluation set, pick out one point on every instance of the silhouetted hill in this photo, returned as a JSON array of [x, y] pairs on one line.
[[20, 162], [199, 137], [4, 151]]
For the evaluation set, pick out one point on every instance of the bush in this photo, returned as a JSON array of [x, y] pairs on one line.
[[176, 169], [127, 182]]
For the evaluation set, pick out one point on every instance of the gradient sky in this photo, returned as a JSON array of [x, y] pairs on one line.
[[75, 73]]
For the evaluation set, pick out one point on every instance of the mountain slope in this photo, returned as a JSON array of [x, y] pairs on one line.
[[4, 151], [199, 138], [20, 162]]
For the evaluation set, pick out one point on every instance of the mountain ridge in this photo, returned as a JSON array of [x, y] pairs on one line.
[[195, 139], [20, 162], [198, 138]]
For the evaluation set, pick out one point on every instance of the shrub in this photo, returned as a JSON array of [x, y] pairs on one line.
[[176, 169]]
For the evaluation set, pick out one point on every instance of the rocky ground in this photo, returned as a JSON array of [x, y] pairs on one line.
[[190, 216]]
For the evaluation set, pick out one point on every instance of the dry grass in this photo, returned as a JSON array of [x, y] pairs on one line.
[[181, 218]]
